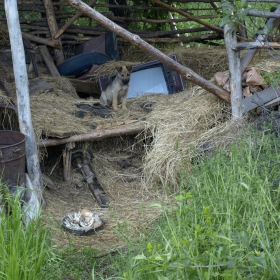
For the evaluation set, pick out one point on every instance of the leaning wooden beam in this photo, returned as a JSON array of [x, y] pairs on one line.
[[234, 72], [137, 41], [58, 53], [49, 42], [96, 135], [23, 103], [70, 21], [49, 61]]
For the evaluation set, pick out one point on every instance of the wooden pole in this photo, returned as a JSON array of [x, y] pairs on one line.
[[58, 54], [234, 72], [137, 41], [23, 104], [96, 135]]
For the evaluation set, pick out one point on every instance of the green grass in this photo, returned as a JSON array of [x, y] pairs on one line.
[[24, 249], [225, 224]]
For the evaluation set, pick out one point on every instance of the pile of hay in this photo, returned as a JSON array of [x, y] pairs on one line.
[[175, 128]]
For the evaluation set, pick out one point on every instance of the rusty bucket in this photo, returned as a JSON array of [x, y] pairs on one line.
[[12, 159]]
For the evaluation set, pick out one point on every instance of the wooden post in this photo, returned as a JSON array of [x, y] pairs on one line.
[[24, 113], [234, 72], [58, 54], [137, 41]]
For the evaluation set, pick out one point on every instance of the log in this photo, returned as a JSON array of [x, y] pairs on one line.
[[23, 102], [70, 21], [96, 135], [58, 54], [49, 42], [234, 72], [137, 41]]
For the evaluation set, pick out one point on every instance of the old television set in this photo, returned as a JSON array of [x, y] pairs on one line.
[[150, 78]]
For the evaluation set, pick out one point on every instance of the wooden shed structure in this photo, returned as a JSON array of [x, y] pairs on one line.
[[58, 28]]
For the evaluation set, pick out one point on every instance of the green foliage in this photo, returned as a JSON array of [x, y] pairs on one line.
[[73, 264], [272, 78], [234, 13], [24, 249], [225, 222]]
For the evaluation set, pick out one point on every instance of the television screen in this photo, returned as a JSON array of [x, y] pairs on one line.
[[150, 77], [151, 80]]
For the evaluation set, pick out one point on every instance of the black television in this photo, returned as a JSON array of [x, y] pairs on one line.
[[150, 78]]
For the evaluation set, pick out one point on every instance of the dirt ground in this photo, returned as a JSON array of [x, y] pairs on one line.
[[129, 212]]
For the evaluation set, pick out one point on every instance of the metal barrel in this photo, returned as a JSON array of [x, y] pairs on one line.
[[12, 159]]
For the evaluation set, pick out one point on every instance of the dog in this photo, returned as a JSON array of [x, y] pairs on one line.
[[116, 92]]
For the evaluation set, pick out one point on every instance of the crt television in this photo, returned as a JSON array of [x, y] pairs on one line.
[[151, 77]]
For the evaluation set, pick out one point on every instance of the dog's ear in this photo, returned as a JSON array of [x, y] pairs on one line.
[[119, 69], [129, 68]]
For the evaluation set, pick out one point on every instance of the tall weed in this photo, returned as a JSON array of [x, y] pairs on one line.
[[24, 249], [225, 224]]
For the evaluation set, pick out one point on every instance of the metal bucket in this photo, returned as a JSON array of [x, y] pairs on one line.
[[12, 159]]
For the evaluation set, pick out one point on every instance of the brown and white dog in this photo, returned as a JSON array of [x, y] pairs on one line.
[[116, 93]]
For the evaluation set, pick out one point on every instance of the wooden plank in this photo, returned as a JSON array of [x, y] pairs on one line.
[[259, 99], [85, 86], [234, 72], [49, 61], [270, 104], [255, 45]]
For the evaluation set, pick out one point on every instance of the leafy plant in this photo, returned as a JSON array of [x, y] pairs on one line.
[[223, 225], [24, 249]]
